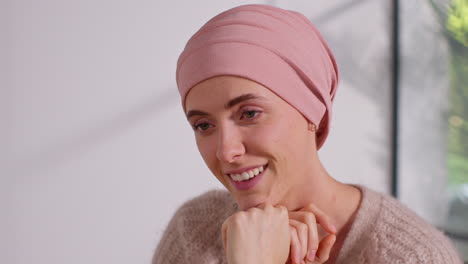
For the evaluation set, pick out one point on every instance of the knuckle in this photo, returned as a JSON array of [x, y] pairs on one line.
[[238, 217], [253, 212], [281, 208], [282, 211], [252, 209], [310, 217]]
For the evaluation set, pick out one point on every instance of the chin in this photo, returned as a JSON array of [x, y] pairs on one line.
[[247, 202]]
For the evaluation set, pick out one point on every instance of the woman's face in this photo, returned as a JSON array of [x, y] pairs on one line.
[[257, 145]]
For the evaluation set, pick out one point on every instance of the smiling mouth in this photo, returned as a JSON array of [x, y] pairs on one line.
[[247, 175]]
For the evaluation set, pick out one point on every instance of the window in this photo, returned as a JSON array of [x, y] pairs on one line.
[[433, 114]]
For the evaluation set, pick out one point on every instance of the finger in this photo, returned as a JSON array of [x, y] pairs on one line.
[[282, 212], [295, 246], [264, 206], [224, 228], [302, 231], [281, 208], [254, 209], [323, 252], [321, 218], [312, 247], [312, 232]]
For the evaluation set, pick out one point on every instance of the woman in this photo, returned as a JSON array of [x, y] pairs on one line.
[[257, 85]]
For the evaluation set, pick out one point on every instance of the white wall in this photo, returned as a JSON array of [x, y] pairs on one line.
[[95, 152]]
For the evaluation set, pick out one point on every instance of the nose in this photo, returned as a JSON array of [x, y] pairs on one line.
[[230, 145]]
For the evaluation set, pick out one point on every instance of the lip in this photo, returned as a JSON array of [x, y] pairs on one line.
[[240, 171], [248, 184]]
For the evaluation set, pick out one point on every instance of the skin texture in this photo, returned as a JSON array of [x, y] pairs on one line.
[[275, 136], [264, 229], [266, 130]]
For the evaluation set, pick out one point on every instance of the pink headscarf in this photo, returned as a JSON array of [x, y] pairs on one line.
[[276, 48]]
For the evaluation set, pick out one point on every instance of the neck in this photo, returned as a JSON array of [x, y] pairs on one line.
[[337, 200]]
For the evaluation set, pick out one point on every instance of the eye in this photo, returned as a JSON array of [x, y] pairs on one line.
[[250, 114], [201, 126]]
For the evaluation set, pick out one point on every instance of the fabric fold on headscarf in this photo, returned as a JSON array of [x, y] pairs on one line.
[[276, 48]]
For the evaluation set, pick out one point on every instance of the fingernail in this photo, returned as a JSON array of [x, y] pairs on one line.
[[334, 228], [311, 255]]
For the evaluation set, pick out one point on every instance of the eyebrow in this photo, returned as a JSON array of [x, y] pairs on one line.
[[241, 99], [228, 105]]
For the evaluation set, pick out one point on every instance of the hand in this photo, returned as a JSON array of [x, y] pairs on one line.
[[305, 246], [258, 235]]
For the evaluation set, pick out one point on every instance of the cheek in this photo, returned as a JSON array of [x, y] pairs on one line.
[[282, 141], [272, 142], [275, 134]]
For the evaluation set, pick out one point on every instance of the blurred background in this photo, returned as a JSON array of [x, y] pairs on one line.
[[96, 154]]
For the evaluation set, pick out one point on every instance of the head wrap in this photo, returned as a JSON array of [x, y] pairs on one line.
[[276, 48]]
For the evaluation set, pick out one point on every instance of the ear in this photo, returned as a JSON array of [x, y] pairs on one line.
[[311, 127]]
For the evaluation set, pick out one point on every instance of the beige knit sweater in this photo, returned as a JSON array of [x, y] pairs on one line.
[[384, 231]]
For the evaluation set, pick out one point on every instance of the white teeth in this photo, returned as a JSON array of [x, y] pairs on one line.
[[237, 177], [247, 174]]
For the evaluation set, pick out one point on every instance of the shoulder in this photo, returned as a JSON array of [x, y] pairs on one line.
[[214, 203], [194, 232], [201, 218], [401, 233]]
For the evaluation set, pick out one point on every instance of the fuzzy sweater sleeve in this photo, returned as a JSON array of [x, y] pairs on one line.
[[194, 232], [402, 234], [386, 231]]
